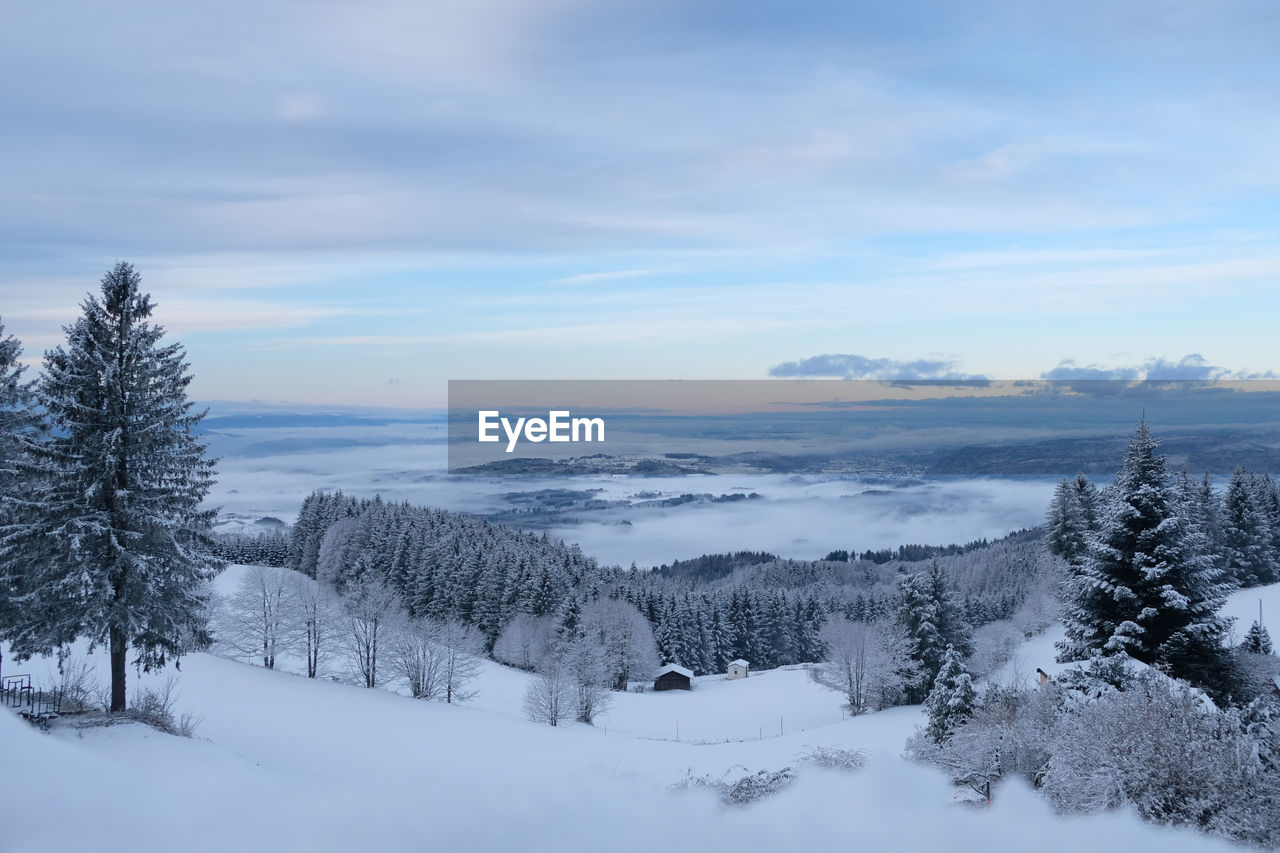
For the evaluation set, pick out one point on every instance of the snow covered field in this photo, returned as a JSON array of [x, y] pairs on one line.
[[281, 762]]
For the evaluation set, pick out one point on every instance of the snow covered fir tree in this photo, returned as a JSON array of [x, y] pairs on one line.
[[1145, 583], [107, 538]]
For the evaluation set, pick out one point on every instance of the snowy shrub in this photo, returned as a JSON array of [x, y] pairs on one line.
[[745, 790], [154, 707], [1104, 737], [834, 758], [75, 685], [1253, 674], [1162, 749], [1007, 733]]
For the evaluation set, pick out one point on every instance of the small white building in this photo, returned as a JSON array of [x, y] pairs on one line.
[[738, 668]]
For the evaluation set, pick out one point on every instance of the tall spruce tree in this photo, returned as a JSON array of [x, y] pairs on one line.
[[931, 618], [952, 699], [1147, 587], [1072, 519], [18, 427], [1244, 532], [115, 545]]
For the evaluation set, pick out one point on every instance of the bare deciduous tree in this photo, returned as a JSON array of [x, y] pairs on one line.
[[314, 620], [418, 658], [460, 646], [866, 661], [550, 697], [254, 620], [371, 610]]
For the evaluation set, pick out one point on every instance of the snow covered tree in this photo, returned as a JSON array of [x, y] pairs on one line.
[[18, 425], [372, 612], [952, 699], [868, 662], [460, 646], [314, 619], [113, 542], [1072, 519], [624, 638], [1257, 640], [1245, 539], [1146, 588], [525, 641], [416, 657], [255, 620], [550, 696], [584, 661], [932, 619]]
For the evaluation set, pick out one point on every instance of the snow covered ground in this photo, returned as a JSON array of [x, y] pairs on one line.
[[281, 762]]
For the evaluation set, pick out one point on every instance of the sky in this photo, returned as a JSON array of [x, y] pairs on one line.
[[341, 203]]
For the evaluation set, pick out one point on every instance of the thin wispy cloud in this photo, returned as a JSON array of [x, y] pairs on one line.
[[607, 276]]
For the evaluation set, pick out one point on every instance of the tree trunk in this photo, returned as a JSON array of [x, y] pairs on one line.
[[119, 645]]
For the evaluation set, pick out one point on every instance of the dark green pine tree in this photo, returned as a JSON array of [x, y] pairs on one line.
[[18, 427], [114, 542], [1147, 587]]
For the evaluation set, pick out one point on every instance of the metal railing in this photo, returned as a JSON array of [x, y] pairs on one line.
[[19, 693]]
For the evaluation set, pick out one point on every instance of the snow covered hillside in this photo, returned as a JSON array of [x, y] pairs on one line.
[[281, 762]]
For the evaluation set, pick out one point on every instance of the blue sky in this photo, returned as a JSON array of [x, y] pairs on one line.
[[352, 203]]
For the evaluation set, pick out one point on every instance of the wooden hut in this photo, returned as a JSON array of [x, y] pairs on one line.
[[738, 669], [673, 677]]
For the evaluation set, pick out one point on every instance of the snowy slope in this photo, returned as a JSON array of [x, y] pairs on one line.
[[281, 762]]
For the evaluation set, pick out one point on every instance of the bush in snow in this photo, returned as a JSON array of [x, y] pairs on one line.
[[834, 758], [1253, 675], [1165, 750], [154, 707], [1095, 740], [1008, 733], [75, 685], [745, 790]]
